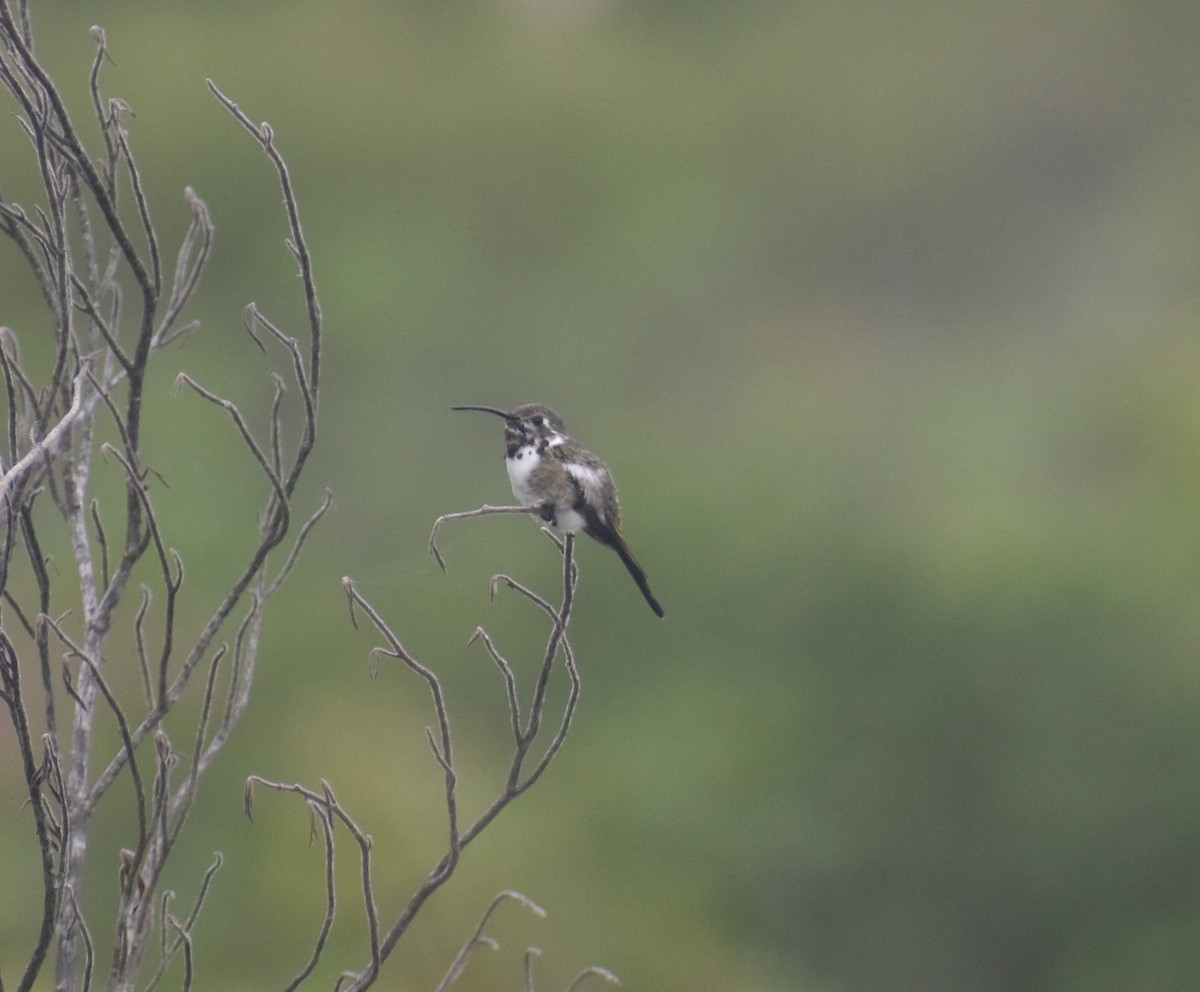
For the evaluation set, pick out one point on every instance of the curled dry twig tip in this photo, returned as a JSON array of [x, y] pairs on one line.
[[501, 579], [250, 316], [525, 901], [373, 660], [530, 954], [349, 590], [317, 820], [594, 971], [68, 682]]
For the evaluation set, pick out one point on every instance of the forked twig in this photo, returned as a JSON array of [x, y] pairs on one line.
[[168, 949], [525, 733], [183, 379], [479, 939], [331, 809], [324, 816], [443, 746]]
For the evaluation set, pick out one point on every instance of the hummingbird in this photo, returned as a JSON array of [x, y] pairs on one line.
[[572, 488]]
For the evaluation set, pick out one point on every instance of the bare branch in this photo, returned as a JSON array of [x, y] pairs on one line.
[[524, 738], [38, 564], [443, 748], [243, 428], [276, 422], [181, 802], [251, 316], [510, 680], [478, 939], [6, 364], [171, 580], [193, 255], [89, 951], [118, 713], [15, 225], [168, 949], [185, 939], [245, 648], [70, 687], [530, 954], [102, 324], [266, 137], [328, 804], [483, 511], [139, 638], [324, 816], [593, 972], [285, 570], [533, 597], [143, 207], [557, 633], [70, 141], [10, 678], [16, 474], [102, 540]]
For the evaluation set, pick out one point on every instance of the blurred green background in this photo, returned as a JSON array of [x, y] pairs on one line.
[[884, 316]]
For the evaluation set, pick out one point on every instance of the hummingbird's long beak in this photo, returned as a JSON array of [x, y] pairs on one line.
[[487, 409]]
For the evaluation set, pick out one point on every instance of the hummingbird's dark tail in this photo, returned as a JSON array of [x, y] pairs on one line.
[[615, 541]]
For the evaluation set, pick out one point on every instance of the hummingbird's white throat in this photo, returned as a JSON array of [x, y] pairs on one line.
[[521, 465]]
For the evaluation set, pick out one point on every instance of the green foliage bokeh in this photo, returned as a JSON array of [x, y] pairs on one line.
[[884, 316]]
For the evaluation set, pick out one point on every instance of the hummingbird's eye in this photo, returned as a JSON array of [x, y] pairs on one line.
[[538, 421]]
